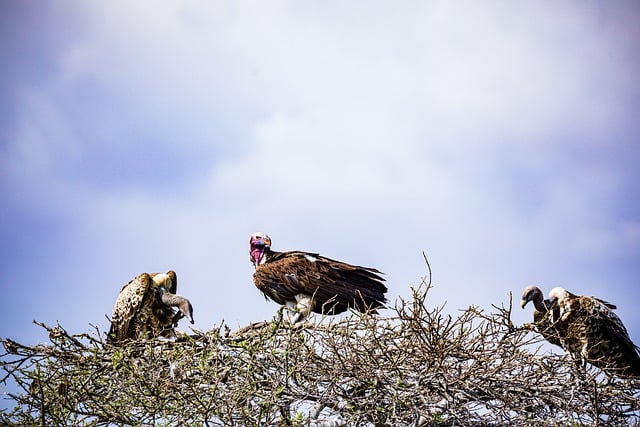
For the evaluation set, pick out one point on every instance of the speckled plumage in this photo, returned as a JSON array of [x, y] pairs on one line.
[[139, 312], [333, 286], [590, 330]]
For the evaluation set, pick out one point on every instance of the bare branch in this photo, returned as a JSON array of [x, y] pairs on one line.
[[410, 365]]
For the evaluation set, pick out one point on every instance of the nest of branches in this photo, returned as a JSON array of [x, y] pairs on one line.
[[415, 366]]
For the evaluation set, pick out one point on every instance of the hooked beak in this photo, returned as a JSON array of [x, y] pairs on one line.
[[258, 246], [257, 252]]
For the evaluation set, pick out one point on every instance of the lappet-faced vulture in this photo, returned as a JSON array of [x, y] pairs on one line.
[[308, 282]]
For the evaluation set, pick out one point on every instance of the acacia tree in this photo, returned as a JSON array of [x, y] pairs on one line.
[[415, 366]]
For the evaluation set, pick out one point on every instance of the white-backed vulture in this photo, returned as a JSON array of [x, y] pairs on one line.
[[145, 308], [591, 331]]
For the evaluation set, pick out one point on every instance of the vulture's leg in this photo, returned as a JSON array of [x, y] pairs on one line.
[[580, 364], [292, 314], [301, 308], [304, 305]]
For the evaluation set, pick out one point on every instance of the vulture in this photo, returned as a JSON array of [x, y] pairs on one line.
[[309, 282], [592, 332], [145, 308], [541, 313]]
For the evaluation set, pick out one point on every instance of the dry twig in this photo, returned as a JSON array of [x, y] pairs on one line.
[[414, 366]]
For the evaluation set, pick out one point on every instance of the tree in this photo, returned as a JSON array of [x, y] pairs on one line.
[[414, 366]]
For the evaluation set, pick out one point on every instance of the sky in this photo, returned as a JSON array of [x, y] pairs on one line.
[[501, 139]]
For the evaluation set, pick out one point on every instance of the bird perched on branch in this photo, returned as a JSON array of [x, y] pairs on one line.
[[308, 282], [145, 308], [592, 332], [541, 314]]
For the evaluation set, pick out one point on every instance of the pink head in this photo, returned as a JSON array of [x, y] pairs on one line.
[[259, 243]]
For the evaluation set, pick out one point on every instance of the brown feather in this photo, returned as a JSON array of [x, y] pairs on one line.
[[591, 330], [334, 285]]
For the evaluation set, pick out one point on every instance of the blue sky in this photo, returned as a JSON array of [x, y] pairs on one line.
[[502, 139]]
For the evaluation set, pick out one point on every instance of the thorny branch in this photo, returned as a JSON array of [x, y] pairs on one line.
[[414, 366]]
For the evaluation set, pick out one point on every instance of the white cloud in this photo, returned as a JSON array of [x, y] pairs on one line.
[[368, 134]]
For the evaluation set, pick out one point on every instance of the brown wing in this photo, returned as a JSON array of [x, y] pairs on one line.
[[334, 285], [570, 322], [590, 329], [609, 345], [127, 305], [174, 281]]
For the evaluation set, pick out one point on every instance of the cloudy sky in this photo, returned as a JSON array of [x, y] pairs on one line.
[[500, 138]]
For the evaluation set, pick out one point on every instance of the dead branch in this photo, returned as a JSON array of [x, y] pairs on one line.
[[413, 365]]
